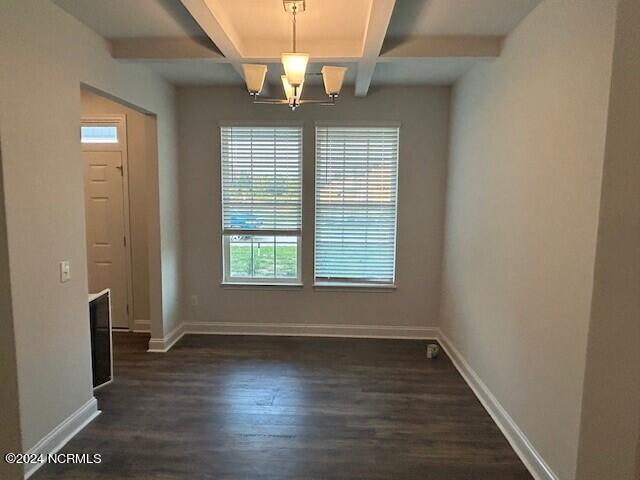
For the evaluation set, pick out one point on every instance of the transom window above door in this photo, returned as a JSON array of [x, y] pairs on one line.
[[99, 134], [261, 204]]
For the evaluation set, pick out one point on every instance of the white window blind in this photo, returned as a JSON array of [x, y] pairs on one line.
[[261, 203], [261, 178], [356, 196]]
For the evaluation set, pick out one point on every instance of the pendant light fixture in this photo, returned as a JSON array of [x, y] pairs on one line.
[[295, 67]]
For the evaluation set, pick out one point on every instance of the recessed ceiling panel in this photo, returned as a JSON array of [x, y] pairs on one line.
[[328, 28], [430, 71], [133, 18], [457, 17]]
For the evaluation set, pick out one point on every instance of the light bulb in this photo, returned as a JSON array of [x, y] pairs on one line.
[[295, 66]]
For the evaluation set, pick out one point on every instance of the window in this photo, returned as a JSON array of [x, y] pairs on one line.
[[99, 134], [261, 204], [356, 192]]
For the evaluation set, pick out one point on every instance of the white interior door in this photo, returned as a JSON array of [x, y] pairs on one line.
[[106, 208]]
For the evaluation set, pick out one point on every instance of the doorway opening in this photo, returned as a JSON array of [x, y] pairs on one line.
[[118, 144]]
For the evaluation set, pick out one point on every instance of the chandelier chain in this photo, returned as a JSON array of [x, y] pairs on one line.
[[295, 7]]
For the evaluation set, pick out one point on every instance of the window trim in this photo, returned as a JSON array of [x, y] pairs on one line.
[[327, 283], [243, 282], [322, 285], [261, 286]]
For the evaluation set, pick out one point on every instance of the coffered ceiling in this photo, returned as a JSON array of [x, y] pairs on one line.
[[382, 42]]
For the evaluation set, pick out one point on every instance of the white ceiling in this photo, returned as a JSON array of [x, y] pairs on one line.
[[196, 72], [431, 71], [133, 18], [457, 17], [334, 30], [265, 28]]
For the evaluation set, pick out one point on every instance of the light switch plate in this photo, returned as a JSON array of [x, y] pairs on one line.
[[65, 271]]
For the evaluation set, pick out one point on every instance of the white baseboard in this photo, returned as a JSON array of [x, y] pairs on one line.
[[141, 326], [53, 441], [311, 330], [162, 345], [516, 437]]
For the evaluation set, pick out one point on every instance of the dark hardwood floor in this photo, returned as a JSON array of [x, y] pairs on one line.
[[243, 407]]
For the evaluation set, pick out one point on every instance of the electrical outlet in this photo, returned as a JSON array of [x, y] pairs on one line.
[[195, 301], [65, 271]]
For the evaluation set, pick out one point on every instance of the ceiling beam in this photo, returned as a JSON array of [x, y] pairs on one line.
[[164, 48], [350, 48], [377, 24], [441, 46], [394, 49], [210, 15]]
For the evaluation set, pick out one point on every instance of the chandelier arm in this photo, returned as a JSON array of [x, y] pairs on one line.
[[271, 101], [331, 102], [279, 101]]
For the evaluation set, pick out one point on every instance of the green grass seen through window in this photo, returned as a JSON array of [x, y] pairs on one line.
[[262, 258]]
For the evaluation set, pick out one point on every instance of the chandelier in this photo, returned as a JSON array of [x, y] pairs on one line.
[[295, 66]]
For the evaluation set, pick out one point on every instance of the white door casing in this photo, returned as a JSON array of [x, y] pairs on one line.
[[107, 218]]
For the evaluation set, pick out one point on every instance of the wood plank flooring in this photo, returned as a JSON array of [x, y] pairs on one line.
[[284, 408]]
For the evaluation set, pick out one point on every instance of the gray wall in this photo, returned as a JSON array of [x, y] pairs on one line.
[[424, 114], [44, 56], [611, 405], [523, 196], [139, 153], [9, 412]]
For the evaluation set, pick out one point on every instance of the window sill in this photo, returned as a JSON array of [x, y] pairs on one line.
[[355, 286], [262, 285]]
